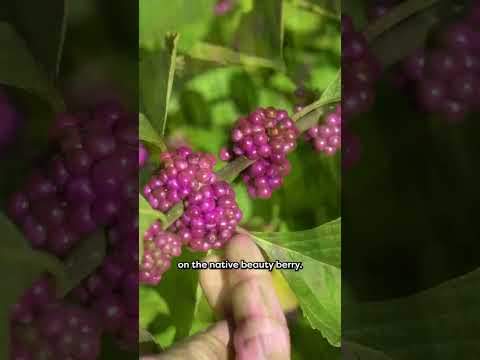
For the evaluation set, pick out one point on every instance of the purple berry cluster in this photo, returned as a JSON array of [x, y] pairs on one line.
[[445, 77], [361, 70], [327, 137], [88, 184], [265, 136], [9, 121], [84, 183], [184, 171], [42, 327], [159, 247], [210, 218]]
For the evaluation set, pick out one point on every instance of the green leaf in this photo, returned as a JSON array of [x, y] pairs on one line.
[[44, 32], [147, 133], [406, 28], [305, 341], [191, 19], [145, 336], [229, 57], [395, 16], [156, 80], [151, 306], [147, 216], [244, 92], [260, 33], [19, 69], [333, 92], [178, 289], [209, 140], [318, 285], [84, 259], [354, 351], [320, 9], [244, 201], [195, 108], [213, 84], [21, 266], [203, 315], [310, 114], [438, 323]]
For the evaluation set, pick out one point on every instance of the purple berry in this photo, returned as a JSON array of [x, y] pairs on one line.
[[208, 212], [111, 312], [159, 248]]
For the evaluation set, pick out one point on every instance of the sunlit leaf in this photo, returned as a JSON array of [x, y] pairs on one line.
[[318, 285], [188, 18], [156, 80], [178, 289], [147, 133], [203, 315], [228, 57]]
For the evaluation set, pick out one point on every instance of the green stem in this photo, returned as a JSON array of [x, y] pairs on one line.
[[395, 16], [173, 214], [310, 119], [230, 172], [307, 5], [313, 107]]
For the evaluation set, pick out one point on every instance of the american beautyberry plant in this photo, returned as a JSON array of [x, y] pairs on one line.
[[264, 179]]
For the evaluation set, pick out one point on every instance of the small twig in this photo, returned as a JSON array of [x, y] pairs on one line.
[[230, 172], [307, 5], [173, 214], [395, 16]]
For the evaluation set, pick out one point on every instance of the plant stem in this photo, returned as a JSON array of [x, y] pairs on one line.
[[174, 214], [395, 16], [307, 5], [310, 119], [230, 172]]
